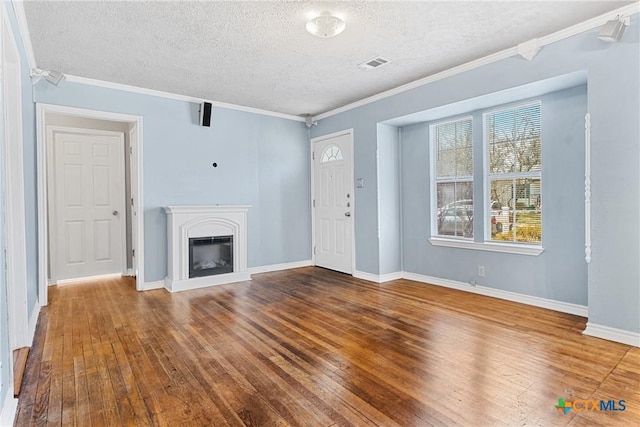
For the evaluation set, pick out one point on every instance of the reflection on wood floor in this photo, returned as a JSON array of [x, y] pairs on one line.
[[311, 347]]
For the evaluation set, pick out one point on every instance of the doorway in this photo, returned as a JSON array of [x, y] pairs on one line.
[[111, 239], [333, 201]]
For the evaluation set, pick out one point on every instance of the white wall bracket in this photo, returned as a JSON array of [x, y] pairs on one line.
[[528, 50]]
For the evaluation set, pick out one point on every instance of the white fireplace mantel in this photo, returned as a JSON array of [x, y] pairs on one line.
[[185, 222]]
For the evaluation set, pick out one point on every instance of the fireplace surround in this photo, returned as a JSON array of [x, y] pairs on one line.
[[207, 246]]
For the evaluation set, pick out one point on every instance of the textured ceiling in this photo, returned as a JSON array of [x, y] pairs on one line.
[[258, 54]]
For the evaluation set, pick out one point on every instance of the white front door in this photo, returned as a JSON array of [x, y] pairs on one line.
[[333, 202], [87, 204]]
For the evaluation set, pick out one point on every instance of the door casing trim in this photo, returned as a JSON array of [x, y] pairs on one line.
[[312, 141], [136, 191], [13, 188]]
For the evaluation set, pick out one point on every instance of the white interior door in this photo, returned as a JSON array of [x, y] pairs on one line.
[[87, 204], [333, 203]]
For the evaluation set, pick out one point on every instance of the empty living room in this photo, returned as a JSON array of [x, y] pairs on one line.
[[320, 213]]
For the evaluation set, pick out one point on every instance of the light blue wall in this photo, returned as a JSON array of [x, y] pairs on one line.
[[560, 272], [613, 86], [389, 198], [262, 161], [614, 103]]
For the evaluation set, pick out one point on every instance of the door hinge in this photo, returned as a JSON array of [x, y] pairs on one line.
[[132, 201], [313, 155], [131, 150], [314, 250], [314, 203], [133, 252]]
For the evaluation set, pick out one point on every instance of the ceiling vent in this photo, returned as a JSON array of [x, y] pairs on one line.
[[376, 62]]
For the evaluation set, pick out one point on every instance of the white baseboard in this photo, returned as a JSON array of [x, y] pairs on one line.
[[563, 307], [612, 334], [9, 408], [377, 278], [148, 286], [33, 322], [278, 267]]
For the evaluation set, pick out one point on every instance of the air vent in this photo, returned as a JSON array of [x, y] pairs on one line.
[[376, 62]]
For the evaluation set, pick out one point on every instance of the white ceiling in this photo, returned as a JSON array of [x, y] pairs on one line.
[[258, 54]]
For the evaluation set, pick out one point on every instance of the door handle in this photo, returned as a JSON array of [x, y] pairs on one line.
[[114, 213], [347, 214]]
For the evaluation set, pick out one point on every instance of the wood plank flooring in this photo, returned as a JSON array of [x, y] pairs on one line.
[[310, 347]]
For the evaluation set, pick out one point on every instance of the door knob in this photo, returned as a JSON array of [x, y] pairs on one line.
[[347, 214], [114, 213]]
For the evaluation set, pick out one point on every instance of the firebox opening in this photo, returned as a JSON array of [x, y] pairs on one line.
[[210, 255]]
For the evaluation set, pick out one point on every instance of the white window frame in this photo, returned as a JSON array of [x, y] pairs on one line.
[[526, 247], [434, 179], [487, 245]]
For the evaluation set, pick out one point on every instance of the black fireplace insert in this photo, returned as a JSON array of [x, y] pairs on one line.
[[210, 255]]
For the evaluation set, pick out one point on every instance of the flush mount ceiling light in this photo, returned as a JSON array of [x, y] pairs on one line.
[[326, 25]]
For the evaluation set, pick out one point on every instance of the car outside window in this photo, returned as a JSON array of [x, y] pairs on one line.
[[452, 170]]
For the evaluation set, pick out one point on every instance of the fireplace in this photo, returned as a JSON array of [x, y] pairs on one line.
[[210, 255], [207, 246]]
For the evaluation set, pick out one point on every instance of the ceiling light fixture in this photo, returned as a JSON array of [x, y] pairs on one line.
[[326, 25]]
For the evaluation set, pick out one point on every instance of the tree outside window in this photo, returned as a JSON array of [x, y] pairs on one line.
[[514, 147]]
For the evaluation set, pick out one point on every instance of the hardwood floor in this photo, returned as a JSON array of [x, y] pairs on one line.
[[311, 347]]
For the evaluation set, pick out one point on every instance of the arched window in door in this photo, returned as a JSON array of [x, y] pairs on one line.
[[331, 154]]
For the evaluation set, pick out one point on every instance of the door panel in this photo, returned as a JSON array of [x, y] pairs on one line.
[[76, 237], [333, 203], [88, 225]]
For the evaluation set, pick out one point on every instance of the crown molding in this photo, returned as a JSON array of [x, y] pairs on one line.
[[423, 81], [177, 97], [624, 12], [18, 6], [590, 24], [23, 28]]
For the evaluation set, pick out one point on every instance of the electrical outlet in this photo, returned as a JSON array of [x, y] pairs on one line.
[[481, 271]]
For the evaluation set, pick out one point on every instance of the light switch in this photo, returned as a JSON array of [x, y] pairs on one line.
[[359, 182]]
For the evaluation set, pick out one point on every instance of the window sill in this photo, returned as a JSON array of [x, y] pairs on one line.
[[487, 246]]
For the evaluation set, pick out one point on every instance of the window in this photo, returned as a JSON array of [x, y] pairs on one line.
[[511, 177], [514, 165], [331, 154], [452, 166]]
